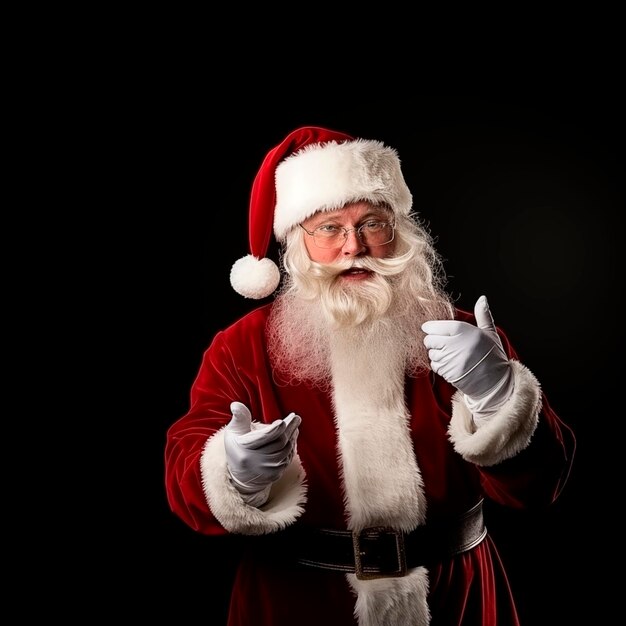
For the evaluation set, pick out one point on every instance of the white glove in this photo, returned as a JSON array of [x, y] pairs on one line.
[[472, 359], [257, 457]]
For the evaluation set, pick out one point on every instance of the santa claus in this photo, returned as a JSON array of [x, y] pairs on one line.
[[352, 426]]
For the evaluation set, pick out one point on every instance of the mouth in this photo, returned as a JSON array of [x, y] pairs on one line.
[[355, 272]]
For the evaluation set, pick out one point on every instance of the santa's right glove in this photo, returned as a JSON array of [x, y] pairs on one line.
[[258, 454]]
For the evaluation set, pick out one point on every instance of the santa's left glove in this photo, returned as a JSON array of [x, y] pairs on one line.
[[472, 359], [258, 454]]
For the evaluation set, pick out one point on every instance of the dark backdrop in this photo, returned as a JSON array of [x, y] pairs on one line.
[[524, 197]]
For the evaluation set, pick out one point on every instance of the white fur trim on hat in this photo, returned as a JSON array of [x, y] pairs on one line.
[[322, 177], [253, 277]]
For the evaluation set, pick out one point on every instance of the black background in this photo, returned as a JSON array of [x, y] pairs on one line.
[[525, 199]]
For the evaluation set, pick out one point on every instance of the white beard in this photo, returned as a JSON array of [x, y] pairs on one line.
[[374, 319]]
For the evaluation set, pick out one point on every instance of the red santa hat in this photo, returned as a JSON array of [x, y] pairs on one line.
[[313, 169]]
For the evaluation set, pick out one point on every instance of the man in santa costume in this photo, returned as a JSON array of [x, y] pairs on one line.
[[352, 427]]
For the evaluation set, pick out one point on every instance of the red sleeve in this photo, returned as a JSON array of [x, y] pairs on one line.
[[223, 377]]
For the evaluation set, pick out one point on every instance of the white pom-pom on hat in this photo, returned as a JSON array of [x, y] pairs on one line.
[[254, 278]]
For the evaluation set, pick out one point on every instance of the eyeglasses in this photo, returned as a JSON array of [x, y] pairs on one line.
[[373, 233]]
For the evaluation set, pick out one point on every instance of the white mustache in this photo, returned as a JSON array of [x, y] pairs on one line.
[[384, 267]]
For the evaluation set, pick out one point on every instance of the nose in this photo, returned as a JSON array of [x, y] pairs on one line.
[[353, 244]]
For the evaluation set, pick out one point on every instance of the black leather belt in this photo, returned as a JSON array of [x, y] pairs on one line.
[[381, 551]]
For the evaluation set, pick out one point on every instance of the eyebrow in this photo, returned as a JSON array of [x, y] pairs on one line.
[[329, 217]]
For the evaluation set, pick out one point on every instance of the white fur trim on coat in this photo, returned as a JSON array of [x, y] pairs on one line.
[[382, 482], [285, 504], [505, 433], [322, 177], [381, 478], [392, 601]]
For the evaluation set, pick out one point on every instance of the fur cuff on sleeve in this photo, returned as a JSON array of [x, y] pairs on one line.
[[505, 433], [284, 506]]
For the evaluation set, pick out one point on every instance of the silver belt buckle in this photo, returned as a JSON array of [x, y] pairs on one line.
[[367, 572]]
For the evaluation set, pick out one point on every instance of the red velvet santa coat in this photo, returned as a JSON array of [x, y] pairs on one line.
[[356, 467]]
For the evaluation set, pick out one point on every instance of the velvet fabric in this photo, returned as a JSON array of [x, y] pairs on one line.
[[469, 590]]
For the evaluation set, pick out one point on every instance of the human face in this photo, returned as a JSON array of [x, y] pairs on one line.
[[349, 217]]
